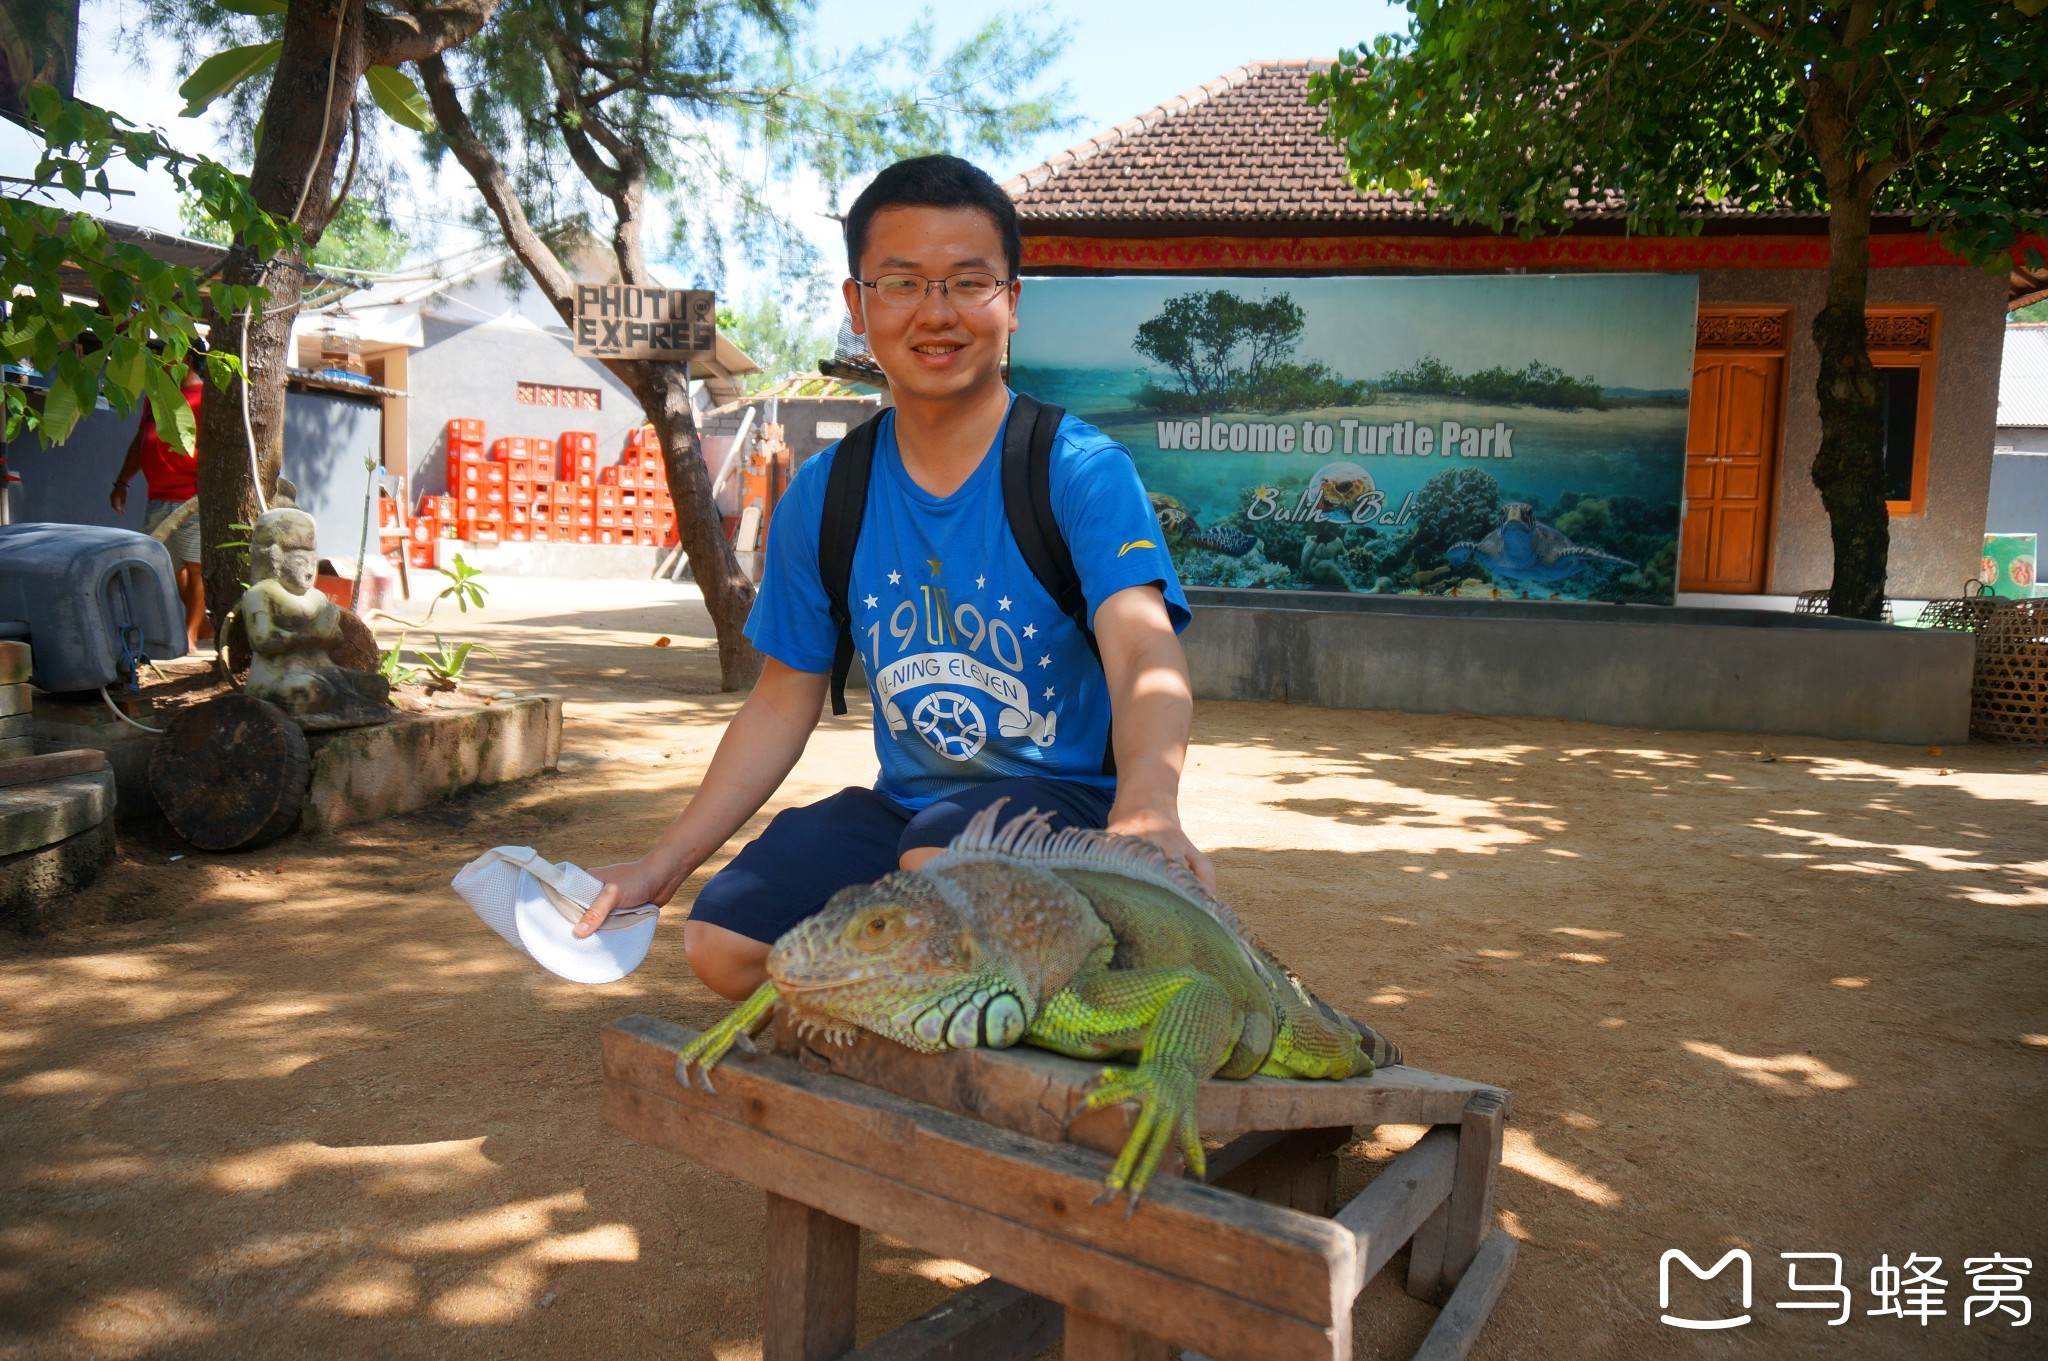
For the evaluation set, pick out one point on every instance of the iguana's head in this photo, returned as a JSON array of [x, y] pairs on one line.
[[897, 958]]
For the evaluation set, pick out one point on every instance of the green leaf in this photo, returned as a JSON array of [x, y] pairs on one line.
[[222, 72], [61, 409], [262, 9], [173, 414], [400, 99], [125, 369]]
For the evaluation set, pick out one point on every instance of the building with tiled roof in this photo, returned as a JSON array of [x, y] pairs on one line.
[[1236, 177]]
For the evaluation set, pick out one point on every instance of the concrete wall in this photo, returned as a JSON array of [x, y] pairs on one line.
[[69, 484], [2022, 439], [325, 439], [470, 369], [2019, 494], [1931, 554], [1637, 666]]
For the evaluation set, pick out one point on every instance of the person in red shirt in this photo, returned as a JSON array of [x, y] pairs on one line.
[[172, 479]]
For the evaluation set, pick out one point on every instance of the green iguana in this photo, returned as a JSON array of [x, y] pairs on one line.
[[1081, 942]]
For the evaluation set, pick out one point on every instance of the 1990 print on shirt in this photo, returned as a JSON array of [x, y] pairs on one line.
[[974, 673]]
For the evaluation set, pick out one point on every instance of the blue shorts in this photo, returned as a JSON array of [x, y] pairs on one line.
[[855, 837]]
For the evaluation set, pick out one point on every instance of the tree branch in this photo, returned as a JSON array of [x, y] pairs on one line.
[[415, 34], [483, 167], [1768, 33]]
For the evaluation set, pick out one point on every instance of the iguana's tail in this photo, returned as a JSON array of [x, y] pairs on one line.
[[1382, 1051]]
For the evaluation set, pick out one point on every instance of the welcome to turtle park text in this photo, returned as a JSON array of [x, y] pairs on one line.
[[1402, 439]]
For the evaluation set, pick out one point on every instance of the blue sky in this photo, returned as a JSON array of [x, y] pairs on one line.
[[1121, 59], [1615, 327]]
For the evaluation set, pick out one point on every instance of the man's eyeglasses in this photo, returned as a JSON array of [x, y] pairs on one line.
[[973, 289]]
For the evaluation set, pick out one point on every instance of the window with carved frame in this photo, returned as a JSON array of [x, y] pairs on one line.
[[1904, 342]]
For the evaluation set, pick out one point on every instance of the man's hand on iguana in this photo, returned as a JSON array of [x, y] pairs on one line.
[[1164, 832]]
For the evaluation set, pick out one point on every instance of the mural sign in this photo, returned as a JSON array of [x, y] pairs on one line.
[[1493, 437]]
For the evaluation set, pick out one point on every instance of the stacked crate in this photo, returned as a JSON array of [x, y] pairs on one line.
[[633, 501], [529, 490]]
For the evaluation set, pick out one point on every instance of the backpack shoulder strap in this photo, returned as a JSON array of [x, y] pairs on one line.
[[1028, 440], [846, 502], [1027, 504]]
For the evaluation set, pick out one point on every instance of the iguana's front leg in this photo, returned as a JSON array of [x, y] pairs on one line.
[[748, 1018], [1183, 1024]]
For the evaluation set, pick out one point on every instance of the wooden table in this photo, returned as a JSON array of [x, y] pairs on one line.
[[970, 1155]]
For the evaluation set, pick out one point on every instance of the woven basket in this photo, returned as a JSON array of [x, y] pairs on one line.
[[2009, 694]]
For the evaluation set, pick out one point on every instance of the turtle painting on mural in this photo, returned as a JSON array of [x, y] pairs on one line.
[[1523, 548], [1177, 523], [1340, 489]]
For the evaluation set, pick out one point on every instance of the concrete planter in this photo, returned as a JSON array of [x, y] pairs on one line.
[[362, 774]]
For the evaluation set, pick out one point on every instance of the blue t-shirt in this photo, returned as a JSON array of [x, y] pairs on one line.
[[974, 673]]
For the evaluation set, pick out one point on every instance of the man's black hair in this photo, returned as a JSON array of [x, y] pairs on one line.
[[933, 182]]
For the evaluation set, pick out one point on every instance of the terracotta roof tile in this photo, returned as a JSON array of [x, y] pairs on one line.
[[1245, 147]]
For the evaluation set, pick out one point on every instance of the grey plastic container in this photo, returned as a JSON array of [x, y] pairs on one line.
[[80, 589]]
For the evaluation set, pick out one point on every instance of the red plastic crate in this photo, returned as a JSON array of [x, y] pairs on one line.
[[487, 531], [563, 513], [608, 476], [607, 519], [516, 515], [586, 519], [539, 533], [515, 534], [425, 530], [466, 428], [518, 492], [608, 498], [629, 536], [421, 555]]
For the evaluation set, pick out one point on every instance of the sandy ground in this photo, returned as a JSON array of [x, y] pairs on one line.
[[1780, 995]]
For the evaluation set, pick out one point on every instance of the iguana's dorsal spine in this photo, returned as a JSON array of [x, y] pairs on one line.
[[1029, 837]]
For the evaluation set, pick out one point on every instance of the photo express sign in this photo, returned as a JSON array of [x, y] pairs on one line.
[[621, 321]]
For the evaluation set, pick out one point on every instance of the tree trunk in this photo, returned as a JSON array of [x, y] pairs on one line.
[[292, 178], [327, 45], [1849, 467], [664, 393], [662, 388]]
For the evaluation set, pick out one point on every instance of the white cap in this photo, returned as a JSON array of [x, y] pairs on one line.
[[535, 905]]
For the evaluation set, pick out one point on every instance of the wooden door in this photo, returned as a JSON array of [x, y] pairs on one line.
[[1731, 463]]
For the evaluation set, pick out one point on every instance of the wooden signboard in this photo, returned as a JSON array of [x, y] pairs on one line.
[[621, 321]]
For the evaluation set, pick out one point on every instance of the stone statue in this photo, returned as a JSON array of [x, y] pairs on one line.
[[294, 630]]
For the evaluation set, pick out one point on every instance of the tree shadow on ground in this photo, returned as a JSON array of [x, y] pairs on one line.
[[301, 1101]]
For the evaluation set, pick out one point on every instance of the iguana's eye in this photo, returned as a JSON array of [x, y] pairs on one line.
[[876, 932]]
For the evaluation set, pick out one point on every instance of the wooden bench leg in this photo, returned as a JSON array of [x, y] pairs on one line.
[[1090, 1338], [813, 1276], [1443, 1247], [1426, 1255], [1295, 1168], [1471, 1205]]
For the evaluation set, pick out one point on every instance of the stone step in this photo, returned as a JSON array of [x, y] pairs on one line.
[[14, 699], [15, 663], [33, 816], [33, 883]]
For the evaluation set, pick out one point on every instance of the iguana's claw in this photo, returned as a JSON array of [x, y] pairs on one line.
[[1166, 1118], [703, 1053]]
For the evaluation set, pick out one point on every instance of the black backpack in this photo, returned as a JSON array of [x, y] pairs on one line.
[[1028, 435]]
